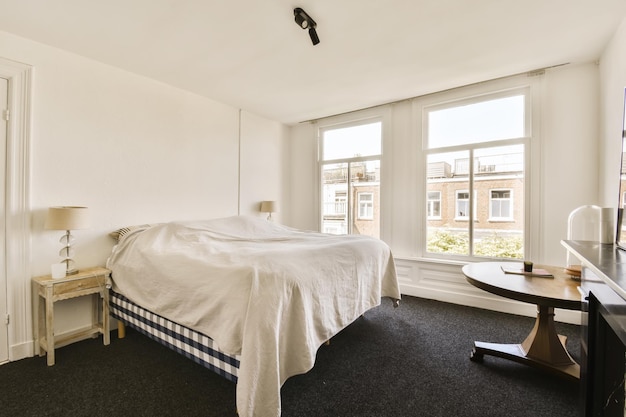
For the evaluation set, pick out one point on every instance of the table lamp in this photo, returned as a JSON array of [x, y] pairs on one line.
[[67, 218], [269, 207]]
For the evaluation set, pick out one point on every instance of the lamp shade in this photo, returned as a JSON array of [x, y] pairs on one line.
[[269, 206], [67, 218]]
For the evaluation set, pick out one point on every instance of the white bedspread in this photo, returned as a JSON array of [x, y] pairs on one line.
[[269, 293]]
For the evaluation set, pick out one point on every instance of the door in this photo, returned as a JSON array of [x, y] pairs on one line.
[[4, 325]]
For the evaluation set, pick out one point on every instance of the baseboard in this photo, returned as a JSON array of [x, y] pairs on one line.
[[489, 303], [27, 349], [21, 351]]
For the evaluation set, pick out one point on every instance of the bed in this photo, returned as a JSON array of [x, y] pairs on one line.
[[248, 298]]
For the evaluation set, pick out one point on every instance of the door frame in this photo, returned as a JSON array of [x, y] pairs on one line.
[[17, 208], [4, 312]]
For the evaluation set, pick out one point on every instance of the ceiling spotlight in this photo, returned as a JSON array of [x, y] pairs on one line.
[[313, 35], [300, 19], [306, 22]]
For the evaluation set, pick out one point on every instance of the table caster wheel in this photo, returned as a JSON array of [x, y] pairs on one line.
[[476, 357]]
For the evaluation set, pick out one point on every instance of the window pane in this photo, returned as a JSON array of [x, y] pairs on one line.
[[447, 233], [462, 204], [501, 204], [366, 206], [350, 158], [351, 206], [365, 187], [354, 141], [498, 188], [335, 198], [499, 224], [486, 121], [434, 204]]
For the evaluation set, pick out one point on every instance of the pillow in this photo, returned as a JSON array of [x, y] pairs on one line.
[[119, 234]]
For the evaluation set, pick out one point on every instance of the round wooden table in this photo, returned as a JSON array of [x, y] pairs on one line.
[[544, 348]]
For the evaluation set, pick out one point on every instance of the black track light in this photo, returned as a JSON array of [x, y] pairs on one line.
[[301, 20], [313, 35], [306, 22]]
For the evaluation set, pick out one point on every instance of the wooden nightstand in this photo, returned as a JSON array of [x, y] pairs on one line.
[[46, 290]]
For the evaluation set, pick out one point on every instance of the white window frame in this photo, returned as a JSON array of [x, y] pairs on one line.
[[429, 204], [368, 205], [457, 200], [382, 114], [511, 199], [531, 86], [473, 200], [341, 203]]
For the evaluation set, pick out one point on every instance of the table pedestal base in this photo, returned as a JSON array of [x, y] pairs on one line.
[[543, 348]]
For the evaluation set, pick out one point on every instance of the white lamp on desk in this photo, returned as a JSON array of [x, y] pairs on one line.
[[67, 218], [592, 223]]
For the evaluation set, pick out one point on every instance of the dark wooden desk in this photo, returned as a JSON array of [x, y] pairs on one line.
[[544, 348]]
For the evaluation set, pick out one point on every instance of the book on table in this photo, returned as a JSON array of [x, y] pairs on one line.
[[536, 272]]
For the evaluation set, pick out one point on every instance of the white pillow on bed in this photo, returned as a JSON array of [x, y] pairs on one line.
[[119, 234]]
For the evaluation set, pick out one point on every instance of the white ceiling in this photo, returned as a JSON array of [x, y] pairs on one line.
[[251, 54]]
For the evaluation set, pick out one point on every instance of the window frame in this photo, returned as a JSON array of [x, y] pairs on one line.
[[378, 114], [429, 202], [341, 200], [368, 203], [522, 84], [457, 211], [511, 201]]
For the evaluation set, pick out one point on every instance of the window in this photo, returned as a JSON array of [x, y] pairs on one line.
[[350, 178], [434, 205], [340, 203], [462, 205], [366, 206], [475, 149], [501, 205]]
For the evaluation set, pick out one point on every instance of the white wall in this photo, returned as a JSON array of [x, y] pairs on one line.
[[570, 133], [613, 82], [303, 192], [134, 151], [263, 165]]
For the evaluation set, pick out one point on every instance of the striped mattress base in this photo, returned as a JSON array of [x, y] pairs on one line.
[[190, 343]]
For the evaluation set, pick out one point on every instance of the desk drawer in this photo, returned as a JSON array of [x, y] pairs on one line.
[[78, 285]]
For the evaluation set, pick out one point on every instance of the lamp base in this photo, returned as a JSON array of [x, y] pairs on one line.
[[70, 268]]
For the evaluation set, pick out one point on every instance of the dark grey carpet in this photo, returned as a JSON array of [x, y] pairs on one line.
[[409, 361]]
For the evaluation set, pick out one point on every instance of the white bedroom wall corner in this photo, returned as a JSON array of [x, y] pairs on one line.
[[285, 175], [17, 208], [261, 164], [304, 183], [612, 70], [569, 151]]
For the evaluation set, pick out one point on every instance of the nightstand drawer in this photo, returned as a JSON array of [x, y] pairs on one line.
[[78, 285]]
